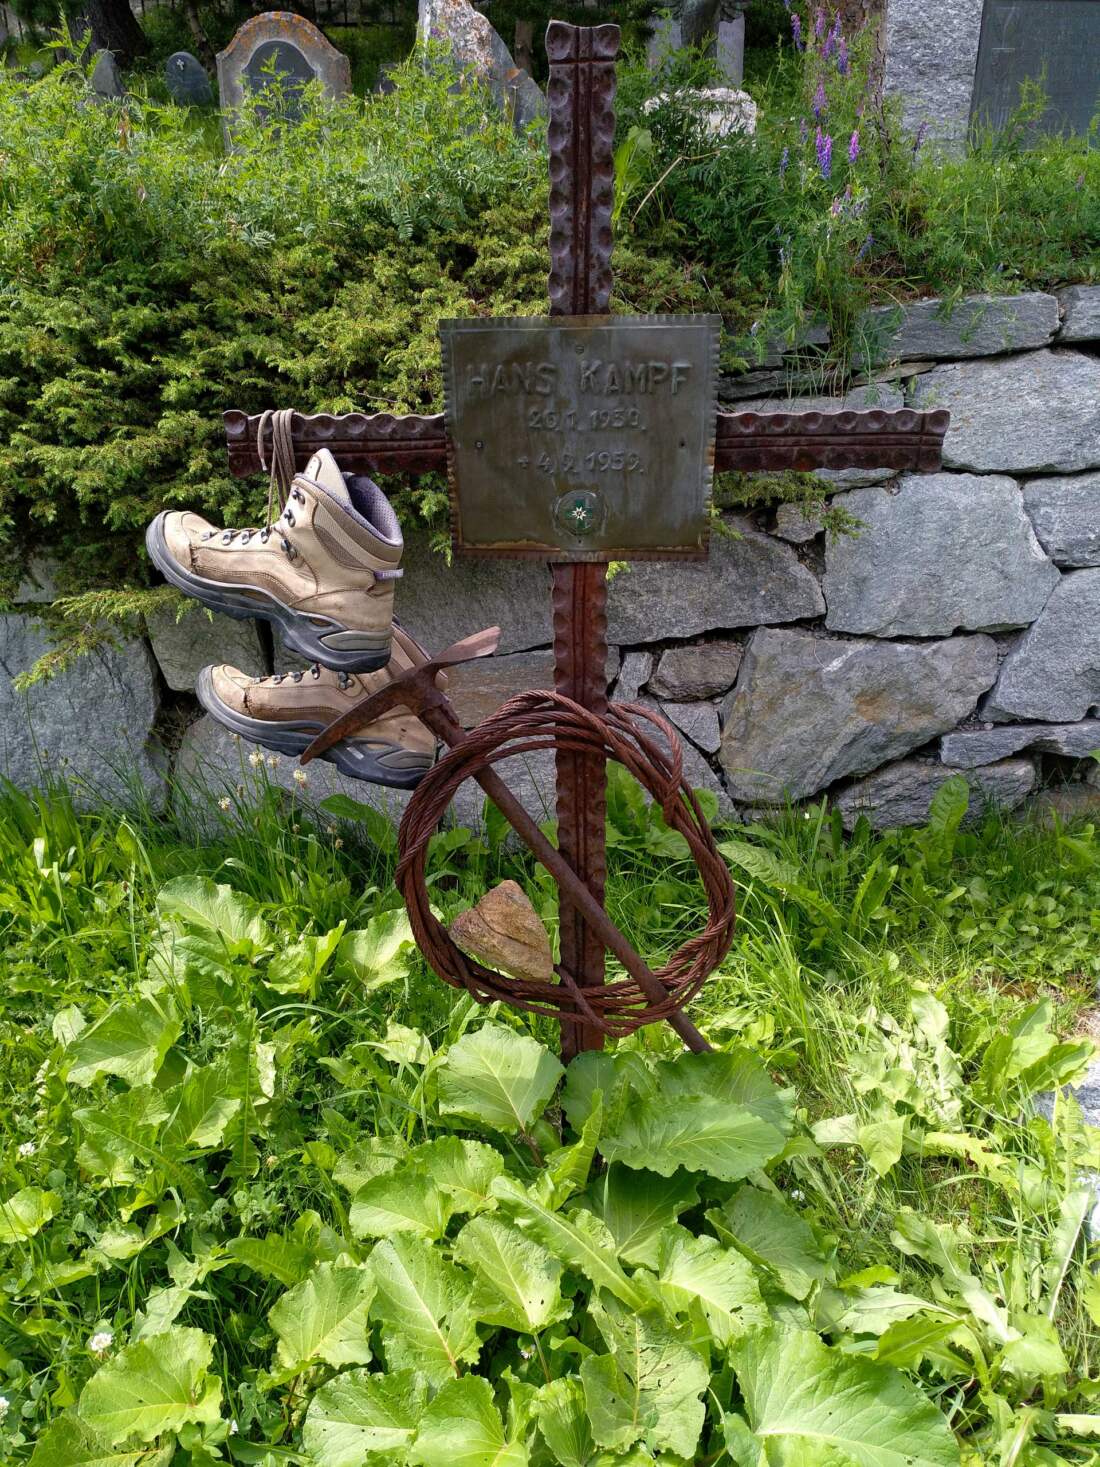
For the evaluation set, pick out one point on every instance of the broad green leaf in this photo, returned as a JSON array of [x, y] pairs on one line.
[[463, 1170], [567, 1167], [202, 1111], [770, 1233], [463, 1428], [154, 1386], [619, 1413], [371, 1158], [881, 1143], [518, 1280], [810, 1406], [1038, 1351], [274, 1257], [69, 1442], [130, 1041], [423, 1302], [637, 1206], [698, 1270], [379, 953], [580, 1240], [125, 1129], [563, 1421], [404, 1046], [696, 1132], [404, 1201], [196, 901], [499, 1077], [324, 1318], [25, 1213], [250, 1079], [873, 1310], [297, 968], [734, 1077], [666, 1381], [597, 1077], [909, 1341], [358, 1414]]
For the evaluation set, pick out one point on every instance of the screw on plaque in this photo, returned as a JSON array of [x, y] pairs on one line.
[[580, 512]]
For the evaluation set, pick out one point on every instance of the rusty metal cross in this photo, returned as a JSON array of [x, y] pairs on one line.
[[581, 140]]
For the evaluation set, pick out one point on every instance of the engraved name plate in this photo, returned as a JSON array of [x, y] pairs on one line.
[[581, 438]]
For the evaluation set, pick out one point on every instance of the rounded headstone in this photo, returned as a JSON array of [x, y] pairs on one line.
[[187, 81]]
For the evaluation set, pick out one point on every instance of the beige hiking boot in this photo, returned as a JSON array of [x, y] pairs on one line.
[[287, 711], [323, 573]]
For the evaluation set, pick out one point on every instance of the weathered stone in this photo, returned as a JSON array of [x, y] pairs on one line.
[[939, 553], [874, 395], [1030, 414], [504, 932], [440, 603], [476, 47], [686, 674], [699, 721], [977, 326], [700, 776], [838, 479], [299, 52], [106, 77], [183, 648], [213, 764], [1081, 313], [967, 748], [794, 524], [530, 777], [718, 112], [901, 794], [187, 81], [92, 724], [1053, 672], [39, 584], [636, 670], [745, 581], [931, 51], [479, 688], [1066, 516], [808, 710], [729, 50]]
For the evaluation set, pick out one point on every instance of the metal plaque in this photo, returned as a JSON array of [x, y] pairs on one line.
[[1054, 42], [581, 438]]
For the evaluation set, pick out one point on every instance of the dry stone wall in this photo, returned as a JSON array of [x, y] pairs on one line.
[[957, 632]]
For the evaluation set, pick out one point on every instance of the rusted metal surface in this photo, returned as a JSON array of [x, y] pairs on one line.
[[383, 443], [581, 134], [581, 438], [873, 439], [528, 723]]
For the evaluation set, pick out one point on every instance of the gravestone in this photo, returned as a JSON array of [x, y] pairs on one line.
[[106, 77], [728, 45], [298, 51], [1055, 42], [187, 81], [931, 55], [730, 48], [475, 47]]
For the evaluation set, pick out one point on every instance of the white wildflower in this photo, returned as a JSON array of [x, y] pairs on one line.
[[338, 843], [255, 758], [233, 1427], [27, 1148], [272, 761], [101, 1342], [4, 1406], [301, 777], [224, 803]]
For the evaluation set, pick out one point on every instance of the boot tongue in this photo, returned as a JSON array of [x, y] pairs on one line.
[[324, 470]]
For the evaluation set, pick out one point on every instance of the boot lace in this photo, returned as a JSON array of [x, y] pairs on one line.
[[280, 483]]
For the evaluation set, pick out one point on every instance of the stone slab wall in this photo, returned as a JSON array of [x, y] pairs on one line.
[[958, 631]]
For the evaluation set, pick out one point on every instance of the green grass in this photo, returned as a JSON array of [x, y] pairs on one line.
[[914, 989]]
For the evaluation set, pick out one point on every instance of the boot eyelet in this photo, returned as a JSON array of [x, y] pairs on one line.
[[227, 537], [289, 516]]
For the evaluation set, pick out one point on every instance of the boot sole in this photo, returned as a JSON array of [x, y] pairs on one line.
[[294, 738], [316, 638]]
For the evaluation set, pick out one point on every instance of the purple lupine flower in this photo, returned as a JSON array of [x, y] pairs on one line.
[[796, 30], [823, 145], [819, 23], [853, 146], [865, 246], [842, 57], [836, 208], [832, 40], [784, 161], [820, 102]]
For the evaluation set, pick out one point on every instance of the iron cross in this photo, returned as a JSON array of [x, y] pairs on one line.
[[581, 145]]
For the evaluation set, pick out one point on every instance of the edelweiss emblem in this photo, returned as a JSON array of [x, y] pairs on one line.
[[580, 512]]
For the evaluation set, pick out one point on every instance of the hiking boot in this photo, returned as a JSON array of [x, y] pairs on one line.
[[323, 573], [286, 712]]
